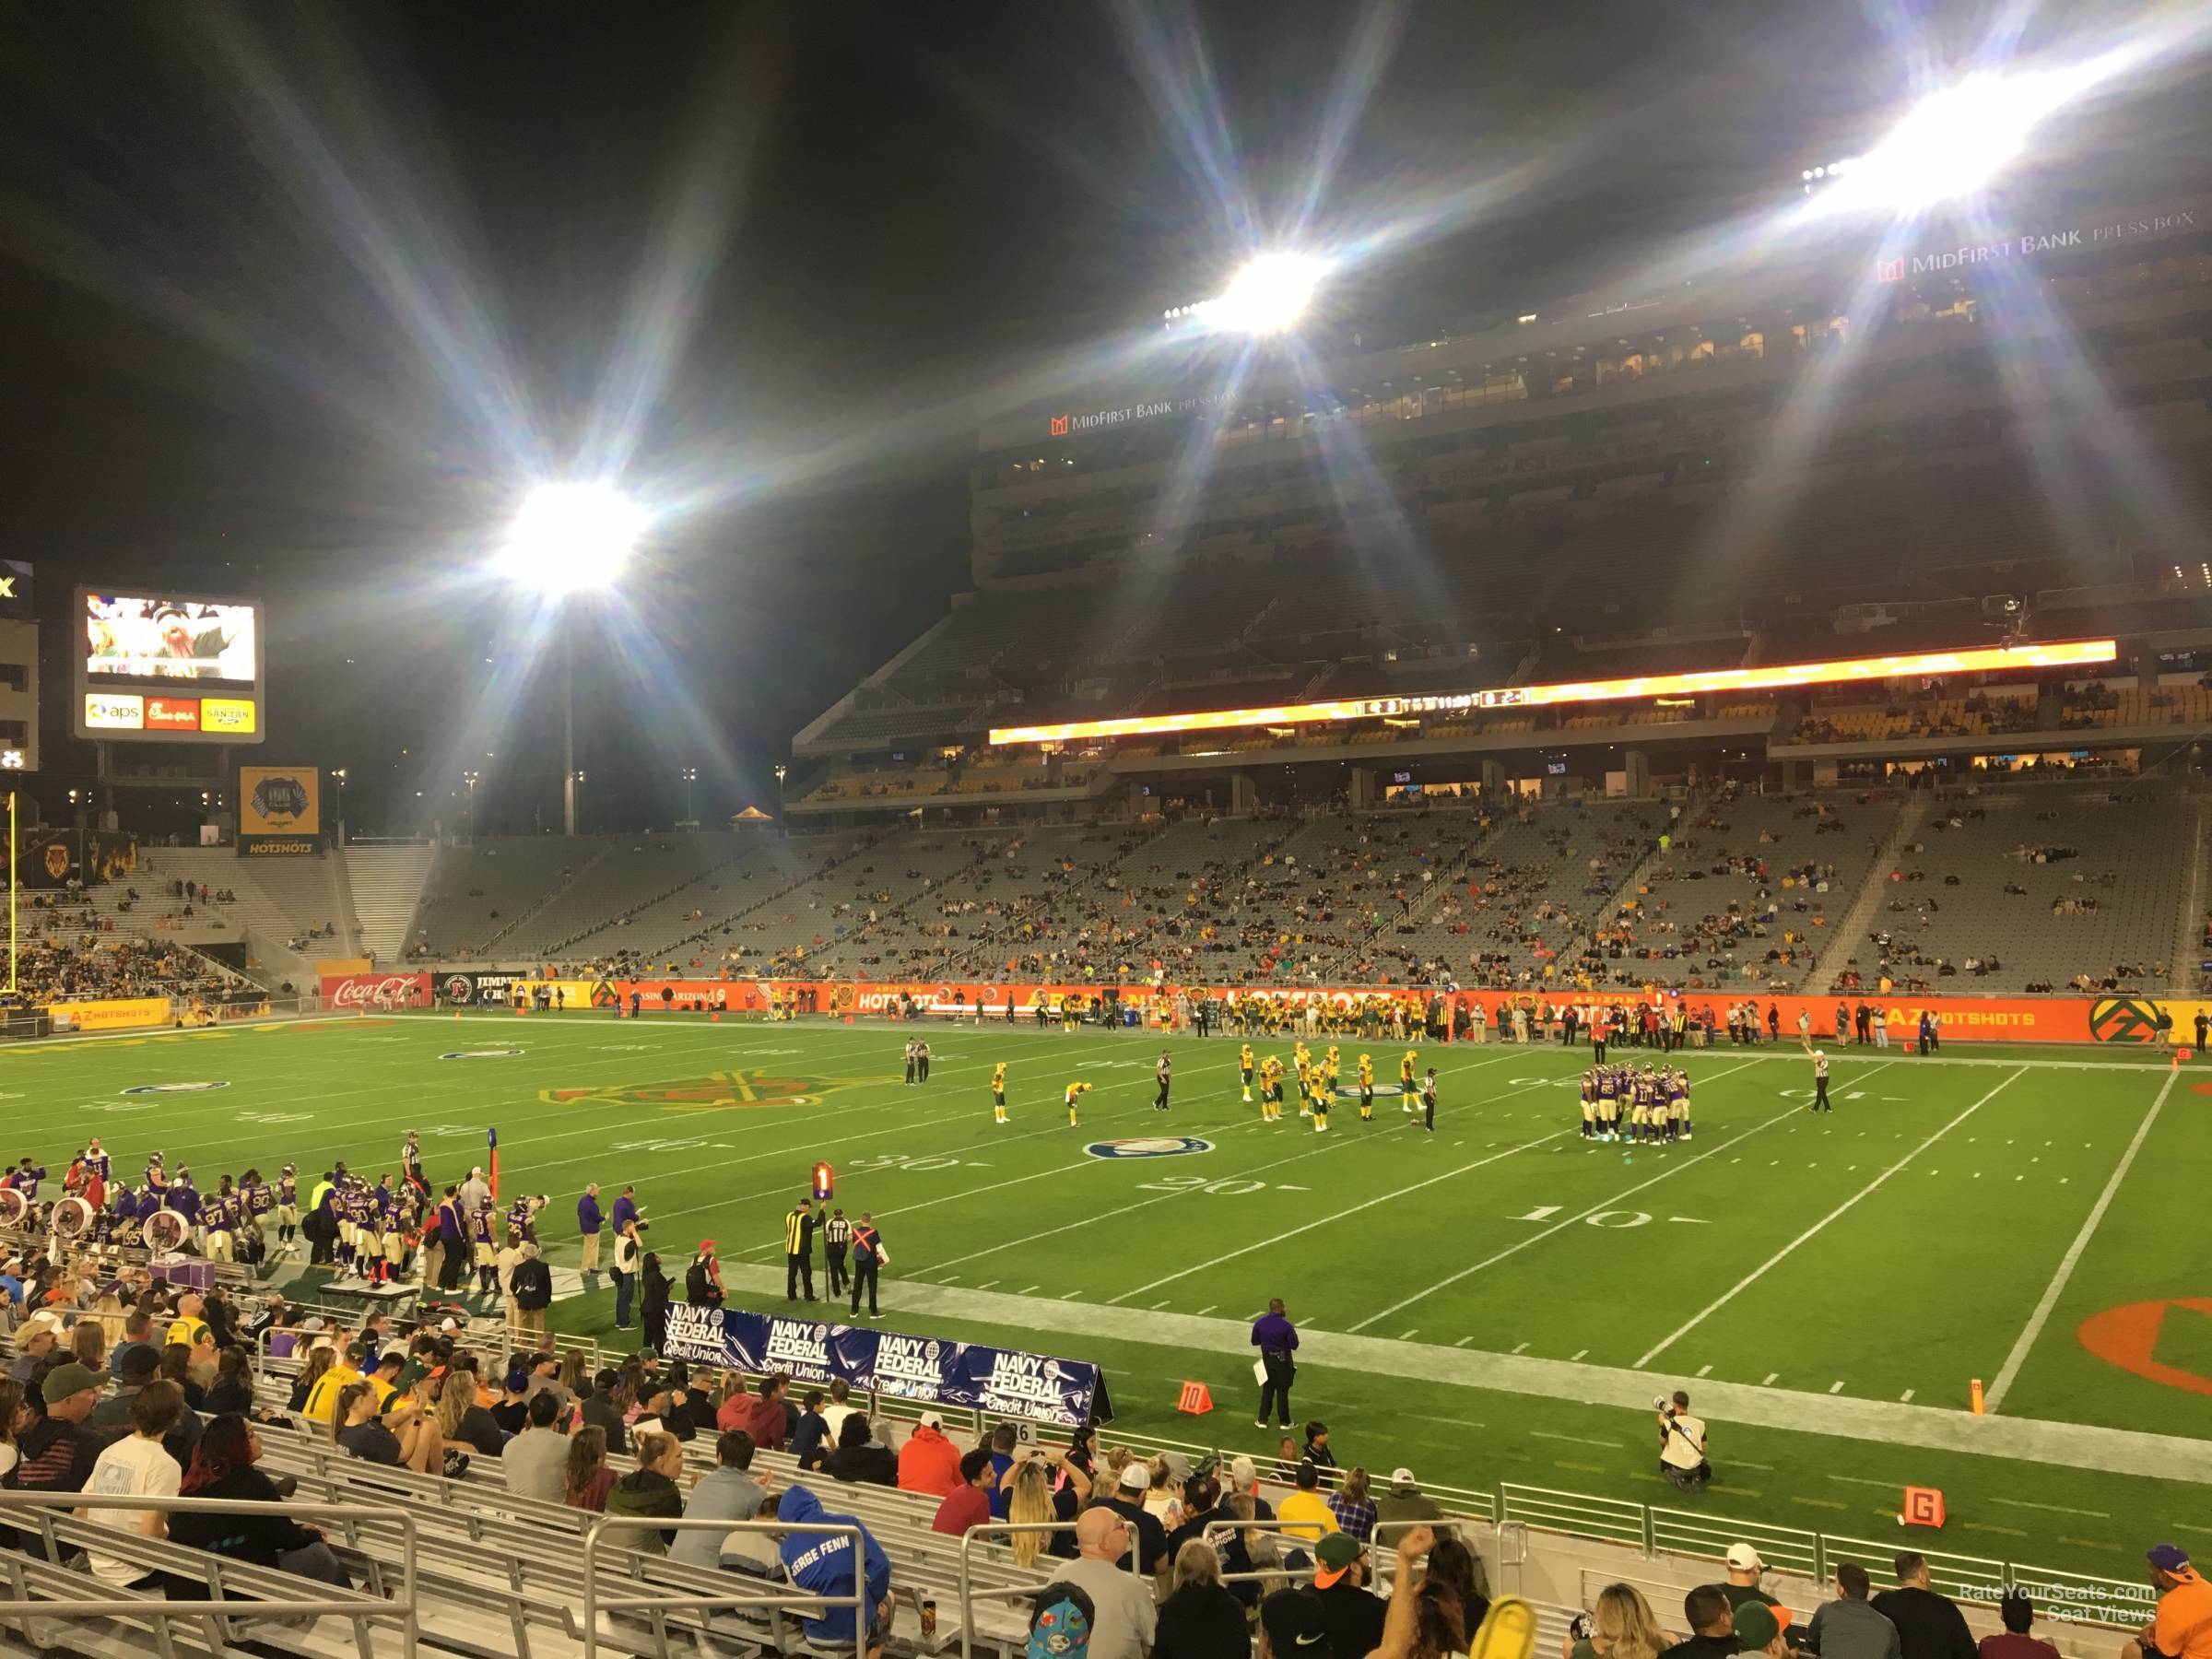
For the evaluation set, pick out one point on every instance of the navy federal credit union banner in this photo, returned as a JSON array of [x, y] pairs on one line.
[[1004, 1381]]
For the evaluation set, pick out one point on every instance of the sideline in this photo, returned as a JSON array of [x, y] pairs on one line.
[[2029, 1439]]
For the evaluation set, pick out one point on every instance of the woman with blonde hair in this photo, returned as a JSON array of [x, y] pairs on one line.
[[1622, 1626], [1031, 1501], [1163, 1500], [318, 1359]]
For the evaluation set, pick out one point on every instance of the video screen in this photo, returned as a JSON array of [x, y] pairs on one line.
[[130, 637]]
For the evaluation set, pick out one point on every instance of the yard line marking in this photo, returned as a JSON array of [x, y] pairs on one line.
[[1492, 1260], [1026, 1290], [1905, 1399], [1203, 1311], [1760, 1271], [1769, 1381], [1576, 1355], [1464, 1340], [1327, 1220], [2010, 1532], [1704, 1371], [1886, 1485], [950, 1278], [1523, 1348], [1836, 1386], [1069, 1295], [986, 1284], [1157, 1306], [2055, 1508], [2051, 1292], [1406, 1336], [1573, 1439]]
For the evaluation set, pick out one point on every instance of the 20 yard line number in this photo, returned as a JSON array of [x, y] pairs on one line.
[[1228, 1187]]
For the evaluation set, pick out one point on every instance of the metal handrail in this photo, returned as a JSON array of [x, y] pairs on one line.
[[593, 1602], [358, 1606], [984, 1529]]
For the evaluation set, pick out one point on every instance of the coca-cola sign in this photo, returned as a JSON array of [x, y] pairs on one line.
[[353, 991]]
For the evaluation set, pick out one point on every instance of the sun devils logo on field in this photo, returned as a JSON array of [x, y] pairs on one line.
[[716, 1090], [280, 798]]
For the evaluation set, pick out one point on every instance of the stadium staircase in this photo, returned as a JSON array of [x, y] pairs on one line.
[[279, 901], [548, 896], [1858, 922], [387, 884], [2188, 952], [836, 853]]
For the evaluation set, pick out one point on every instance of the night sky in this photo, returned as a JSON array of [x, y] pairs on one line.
[[296, 298]]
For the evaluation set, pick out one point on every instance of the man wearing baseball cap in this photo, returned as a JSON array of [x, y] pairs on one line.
[[1404, 1505], [1351, 1612], [34, 1338], [2183, 1628], [1743, 1570], [1292, 1626], [1758, 1630], [58, 1450]]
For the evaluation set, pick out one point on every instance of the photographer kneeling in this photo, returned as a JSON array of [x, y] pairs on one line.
[[1681, 1444]]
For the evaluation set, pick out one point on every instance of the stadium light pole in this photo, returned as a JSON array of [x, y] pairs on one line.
[[690, 777], [570, 540]]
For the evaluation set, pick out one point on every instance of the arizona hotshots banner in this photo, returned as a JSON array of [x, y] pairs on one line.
[[2112, 1019], [1006, 1382], [280, 811]]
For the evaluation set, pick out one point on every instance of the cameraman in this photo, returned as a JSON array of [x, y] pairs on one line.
[[1681, 1444]]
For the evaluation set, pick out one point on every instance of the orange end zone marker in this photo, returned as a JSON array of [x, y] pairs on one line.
[[1196, 1401], [1973, 1395], [1923, 1507]]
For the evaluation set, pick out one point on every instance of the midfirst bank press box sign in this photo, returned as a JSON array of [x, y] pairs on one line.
[[1004, 1381]]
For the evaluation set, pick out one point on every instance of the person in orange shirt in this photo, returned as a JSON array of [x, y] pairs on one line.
[[928, 1462], [2183, 1628]]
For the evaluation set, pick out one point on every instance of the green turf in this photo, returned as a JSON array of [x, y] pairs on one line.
[[1505, 1231]]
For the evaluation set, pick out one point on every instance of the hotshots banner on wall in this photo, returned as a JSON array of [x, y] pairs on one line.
[[2122, 1018], [1006, 1382], [279, 809]]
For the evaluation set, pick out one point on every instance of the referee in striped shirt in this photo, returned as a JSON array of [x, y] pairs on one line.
[[798, 1250], [837, 1237]]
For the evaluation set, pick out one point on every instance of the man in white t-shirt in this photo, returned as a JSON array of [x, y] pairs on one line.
[[136, 1467]]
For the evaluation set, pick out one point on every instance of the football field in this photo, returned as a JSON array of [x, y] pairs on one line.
[[1494, 1302]]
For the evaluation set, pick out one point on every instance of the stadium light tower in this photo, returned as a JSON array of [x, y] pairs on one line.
[[568, 539], [1268, 295], [1952, 144]]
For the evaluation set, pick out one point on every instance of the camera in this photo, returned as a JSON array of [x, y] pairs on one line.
[[1661, 1403], [1581, 1627]]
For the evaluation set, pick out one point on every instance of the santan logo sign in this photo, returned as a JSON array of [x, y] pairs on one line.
[[1063, 425], [2016, 247]]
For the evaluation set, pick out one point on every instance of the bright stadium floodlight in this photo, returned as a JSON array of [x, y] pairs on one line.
[[1952, 144], [1269, 295], [568, 537]]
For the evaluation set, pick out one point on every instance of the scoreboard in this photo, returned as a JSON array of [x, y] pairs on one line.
[[168, 667]]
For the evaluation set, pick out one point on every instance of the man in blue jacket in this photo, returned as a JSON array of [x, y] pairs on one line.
[[823, 1564]]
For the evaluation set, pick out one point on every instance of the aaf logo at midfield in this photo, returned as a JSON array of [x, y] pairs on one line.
[[1149, 1146], [722, 1090]]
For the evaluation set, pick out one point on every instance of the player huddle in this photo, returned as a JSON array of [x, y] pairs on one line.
[[1318, 1080], [1648, 1103]]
